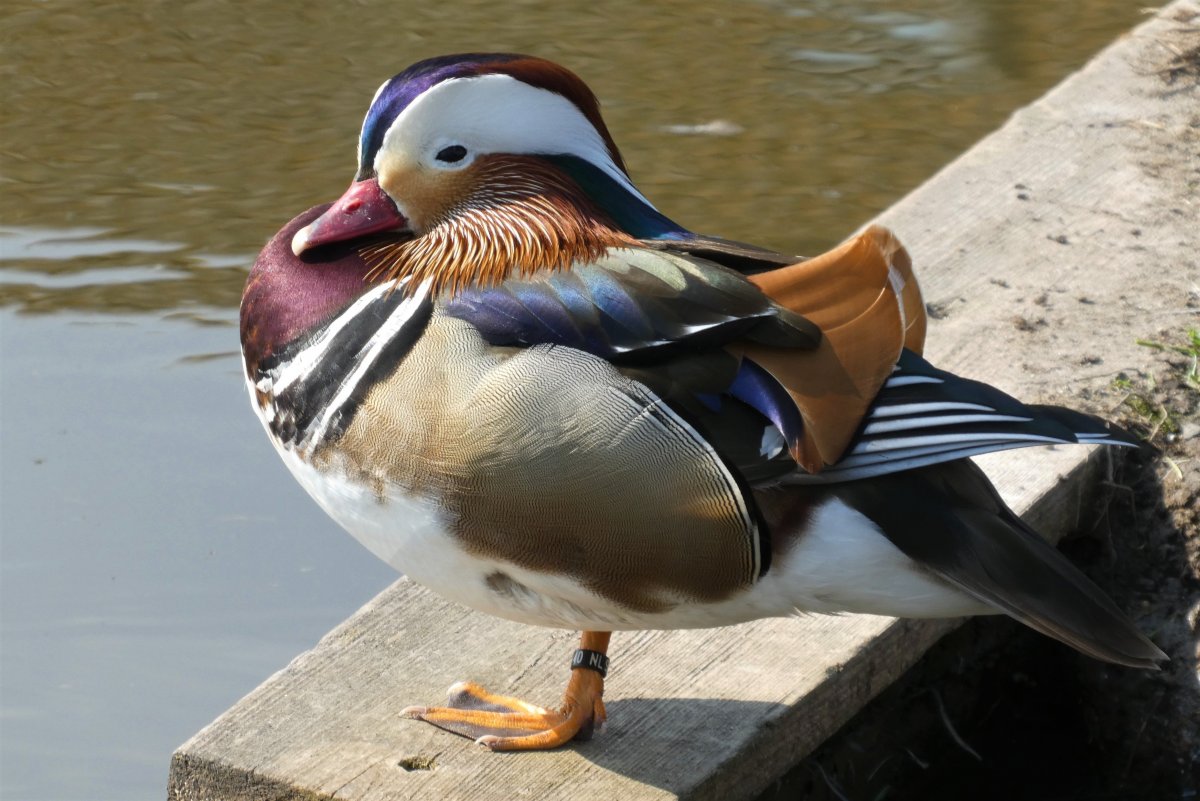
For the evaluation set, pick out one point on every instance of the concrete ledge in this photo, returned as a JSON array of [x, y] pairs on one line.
[[1045, 251]]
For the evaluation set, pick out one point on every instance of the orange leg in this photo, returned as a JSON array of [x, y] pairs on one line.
[[502, 723]]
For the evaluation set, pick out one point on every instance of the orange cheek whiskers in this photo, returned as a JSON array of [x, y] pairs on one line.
[[521, 218]]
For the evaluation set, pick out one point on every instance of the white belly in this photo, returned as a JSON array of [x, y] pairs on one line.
[[842, 565], [408, 532]]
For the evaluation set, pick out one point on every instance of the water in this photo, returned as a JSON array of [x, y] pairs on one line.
[[156, 562]]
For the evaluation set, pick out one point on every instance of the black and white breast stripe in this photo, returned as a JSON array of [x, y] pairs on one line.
[[316, 383], [924, 415]]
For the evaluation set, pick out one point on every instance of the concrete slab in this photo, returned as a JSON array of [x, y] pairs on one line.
[[1045, 252]]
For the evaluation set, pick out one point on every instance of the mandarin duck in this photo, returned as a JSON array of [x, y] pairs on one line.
[[511, 377]]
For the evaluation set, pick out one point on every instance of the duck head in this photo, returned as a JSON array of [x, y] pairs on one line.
[[473, 167]]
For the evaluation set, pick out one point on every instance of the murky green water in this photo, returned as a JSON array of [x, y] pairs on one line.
[[157, 562]]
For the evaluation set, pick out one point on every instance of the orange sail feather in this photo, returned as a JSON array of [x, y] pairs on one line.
[[865, 298]]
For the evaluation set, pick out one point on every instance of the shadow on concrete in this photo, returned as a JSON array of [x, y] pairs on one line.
[[677, 756]]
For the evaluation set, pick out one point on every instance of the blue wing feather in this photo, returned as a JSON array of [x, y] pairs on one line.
[[631, 304], [756, 388]]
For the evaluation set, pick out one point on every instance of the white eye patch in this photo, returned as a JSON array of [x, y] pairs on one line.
[[496, 114]]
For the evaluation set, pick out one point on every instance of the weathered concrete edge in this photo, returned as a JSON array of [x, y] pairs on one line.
[[761, 761]]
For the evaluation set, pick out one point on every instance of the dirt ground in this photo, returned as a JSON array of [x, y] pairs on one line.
[[1147, 554], [996, 711]]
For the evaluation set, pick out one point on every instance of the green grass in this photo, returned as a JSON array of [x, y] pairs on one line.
[[1155, 404], [1191, 349]]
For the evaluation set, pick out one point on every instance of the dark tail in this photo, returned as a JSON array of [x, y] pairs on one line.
[[949, 518]]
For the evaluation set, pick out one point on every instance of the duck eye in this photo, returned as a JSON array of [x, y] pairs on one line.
[[452, 154]]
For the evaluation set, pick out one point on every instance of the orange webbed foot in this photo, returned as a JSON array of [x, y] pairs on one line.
[[503, 723]]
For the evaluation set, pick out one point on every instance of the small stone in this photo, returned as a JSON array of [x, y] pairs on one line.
[[1027, 325], [937, 311]]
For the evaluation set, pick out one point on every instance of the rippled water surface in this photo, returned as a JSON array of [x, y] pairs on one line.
[[157, 562]]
